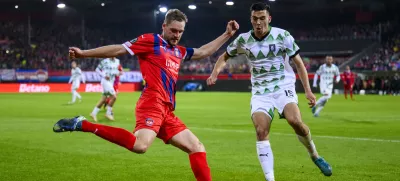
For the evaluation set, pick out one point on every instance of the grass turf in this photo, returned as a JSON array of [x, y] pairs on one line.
[[360, 139]]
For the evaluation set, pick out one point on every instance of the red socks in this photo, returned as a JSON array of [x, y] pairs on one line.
[[118, 136], [126, 139], [198, 162]]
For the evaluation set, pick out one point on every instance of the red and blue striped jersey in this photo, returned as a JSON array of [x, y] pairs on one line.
[[159, 63]]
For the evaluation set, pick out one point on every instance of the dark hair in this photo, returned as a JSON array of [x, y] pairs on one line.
[[260, 7], [175, 15]]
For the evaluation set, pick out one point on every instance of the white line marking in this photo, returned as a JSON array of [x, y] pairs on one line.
[[286, 134]]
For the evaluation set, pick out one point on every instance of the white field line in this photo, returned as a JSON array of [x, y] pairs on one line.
[[285, 134]]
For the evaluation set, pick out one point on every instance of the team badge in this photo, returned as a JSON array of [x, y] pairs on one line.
[[149, 122]]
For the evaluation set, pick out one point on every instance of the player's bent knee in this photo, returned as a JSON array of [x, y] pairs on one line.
[[197, 147], [140, 149], [262, 133]]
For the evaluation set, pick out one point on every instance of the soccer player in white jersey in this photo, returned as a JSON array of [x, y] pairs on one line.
[[269, 50], [108, 69], [76, 78], [327, 72]]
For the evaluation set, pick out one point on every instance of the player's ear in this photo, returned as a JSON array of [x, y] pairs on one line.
[[164, 25], [269, 19]]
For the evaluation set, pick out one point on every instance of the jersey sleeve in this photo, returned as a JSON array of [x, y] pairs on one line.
[[319, 71], [337, 73], [188, 53], [292, 49], [140, 45], [235, 47]]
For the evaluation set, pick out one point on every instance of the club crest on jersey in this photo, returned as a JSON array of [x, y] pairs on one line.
[[149, 122], [172, 51]]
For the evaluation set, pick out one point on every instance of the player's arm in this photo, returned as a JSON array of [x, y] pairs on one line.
[[210, 48], [337, 74], [82, 76], [316, 76], [70, 79], [292, 50], [303, 75], [101, 52], [99, 70], [302, 72], [219, 65]]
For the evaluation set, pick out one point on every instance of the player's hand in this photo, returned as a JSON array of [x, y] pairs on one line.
[[311, 98], [75, 52], [211, 80], [232, 27]]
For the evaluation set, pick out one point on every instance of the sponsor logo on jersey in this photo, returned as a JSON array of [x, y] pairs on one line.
[[172, 65]]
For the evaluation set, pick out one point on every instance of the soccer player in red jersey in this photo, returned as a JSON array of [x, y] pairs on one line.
[[348, 82], [159, 58]]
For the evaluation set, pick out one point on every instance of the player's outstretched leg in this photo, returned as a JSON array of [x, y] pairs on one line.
[[345, 93], [262, 124], [293, 116], [119, 136], [189, 143]]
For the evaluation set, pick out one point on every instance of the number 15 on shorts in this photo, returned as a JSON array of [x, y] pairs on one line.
[[289, 93]]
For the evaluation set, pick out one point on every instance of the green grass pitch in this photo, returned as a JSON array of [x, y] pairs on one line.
[[360, 139]]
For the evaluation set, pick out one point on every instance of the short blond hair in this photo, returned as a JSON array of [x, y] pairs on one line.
[[175, 15]]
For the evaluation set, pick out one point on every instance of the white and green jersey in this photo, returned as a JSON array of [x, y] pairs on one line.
[[76, 75], [108, 67], [327, 74], [269, 59]]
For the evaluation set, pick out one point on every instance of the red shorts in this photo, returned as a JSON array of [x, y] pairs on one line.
[[116, 88], [152, 113], [348, 86]]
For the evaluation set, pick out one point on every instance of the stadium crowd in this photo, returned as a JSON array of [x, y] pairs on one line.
[[50, 42], [386, 58]]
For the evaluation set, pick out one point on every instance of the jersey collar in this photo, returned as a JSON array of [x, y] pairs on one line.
[[172, 46], [261, 39]]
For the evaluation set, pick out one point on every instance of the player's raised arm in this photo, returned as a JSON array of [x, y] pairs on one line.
[[210, 48], [101, 52]]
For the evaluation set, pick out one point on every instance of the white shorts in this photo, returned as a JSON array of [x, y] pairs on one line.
[[326, 89], [268, 102], [75, 85], [108, 88]]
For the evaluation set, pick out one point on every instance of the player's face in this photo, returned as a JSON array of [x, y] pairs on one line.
[[260, 21], [173, 31], [329, 60], [347, 68], [73, 64]]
